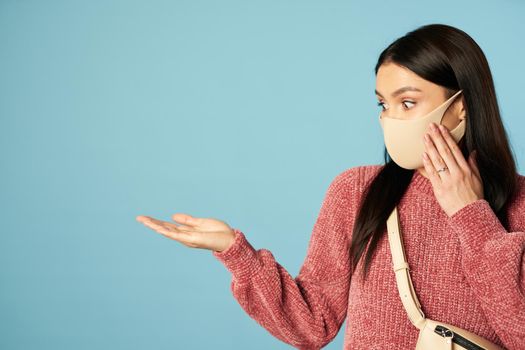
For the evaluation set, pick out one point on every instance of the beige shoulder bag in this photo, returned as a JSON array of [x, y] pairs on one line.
[[432, 334]]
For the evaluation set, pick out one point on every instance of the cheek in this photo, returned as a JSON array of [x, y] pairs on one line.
[[449, 121]]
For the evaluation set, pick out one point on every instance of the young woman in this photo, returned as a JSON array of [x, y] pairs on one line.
[[461, 206]]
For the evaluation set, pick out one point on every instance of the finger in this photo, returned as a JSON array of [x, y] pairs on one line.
[[444, 151], [435, 159], [190, 239], [141, 218], [473, 164], [152, 223], [430, 170], [454, 148], [187, 238], [167, 229], [150, 220], [185, 219], [147, 220], [160, 225], [184, 228]]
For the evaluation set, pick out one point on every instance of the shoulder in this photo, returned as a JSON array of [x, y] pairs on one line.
[[516, 207], [521, 183], [518, 198], [354, 178], [360, 173]]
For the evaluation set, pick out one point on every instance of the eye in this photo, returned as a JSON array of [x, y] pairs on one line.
[[411, 103], [406, 101]]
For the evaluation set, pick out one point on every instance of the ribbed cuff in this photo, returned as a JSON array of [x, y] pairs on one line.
[[476, 223], [240, 258]]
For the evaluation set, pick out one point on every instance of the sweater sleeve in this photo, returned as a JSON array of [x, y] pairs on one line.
[[306, 311], [493, 262]]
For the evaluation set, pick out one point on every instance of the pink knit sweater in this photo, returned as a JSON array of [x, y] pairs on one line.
[[467, 271]]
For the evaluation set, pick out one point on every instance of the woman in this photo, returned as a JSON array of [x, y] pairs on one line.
[[461, 214]]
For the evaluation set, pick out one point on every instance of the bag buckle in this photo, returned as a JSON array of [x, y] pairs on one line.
[[445, 333]]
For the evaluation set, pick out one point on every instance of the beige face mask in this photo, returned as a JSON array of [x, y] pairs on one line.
[[404, 137]]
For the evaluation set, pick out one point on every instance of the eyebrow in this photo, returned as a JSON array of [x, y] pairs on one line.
[[401, 90]]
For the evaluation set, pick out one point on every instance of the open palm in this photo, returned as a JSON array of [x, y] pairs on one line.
[[204, 233]]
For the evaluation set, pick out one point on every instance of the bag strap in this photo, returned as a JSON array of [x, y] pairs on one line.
[[401, 270]]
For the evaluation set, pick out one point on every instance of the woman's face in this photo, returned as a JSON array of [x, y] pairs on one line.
[[403, 94]]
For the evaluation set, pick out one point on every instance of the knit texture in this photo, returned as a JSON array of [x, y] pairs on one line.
[[467, 270]]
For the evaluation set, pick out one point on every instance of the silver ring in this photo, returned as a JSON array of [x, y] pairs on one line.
[[442, 169]]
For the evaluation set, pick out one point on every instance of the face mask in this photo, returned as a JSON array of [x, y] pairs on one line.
[[404, 137]]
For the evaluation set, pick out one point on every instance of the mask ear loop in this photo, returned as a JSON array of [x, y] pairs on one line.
[[453, 98], [466, 115], [449, 103]]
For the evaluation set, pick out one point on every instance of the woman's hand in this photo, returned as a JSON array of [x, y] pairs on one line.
[[460, 184], [205, 233]]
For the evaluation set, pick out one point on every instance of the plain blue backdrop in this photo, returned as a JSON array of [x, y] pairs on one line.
[[239, 110]]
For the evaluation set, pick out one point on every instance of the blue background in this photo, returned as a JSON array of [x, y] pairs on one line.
[[239, 110]]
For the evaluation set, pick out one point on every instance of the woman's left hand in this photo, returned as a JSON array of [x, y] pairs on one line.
[[460, 184]]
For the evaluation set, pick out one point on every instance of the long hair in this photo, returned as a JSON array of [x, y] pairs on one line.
[[448, 57]]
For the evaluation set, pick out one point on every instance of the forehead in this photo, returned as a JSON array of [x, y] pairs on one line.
[[391, 76]]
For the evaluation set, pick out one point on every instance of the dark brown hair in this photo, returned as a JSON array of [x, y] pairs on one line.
[[449, 57]]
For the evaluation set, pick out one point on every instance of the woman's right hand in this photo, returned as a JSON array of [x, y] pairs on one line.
[[204, 233]]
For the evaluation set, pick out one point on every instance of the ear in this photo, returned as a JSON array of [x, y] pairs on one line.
[[461, 111]]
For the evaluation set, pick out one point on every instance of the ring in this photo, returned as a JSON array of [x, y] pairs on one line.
[[442, 169]]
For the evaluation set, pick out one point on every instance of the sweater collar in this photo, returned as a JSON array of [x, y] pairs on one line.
[[421, 184]]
